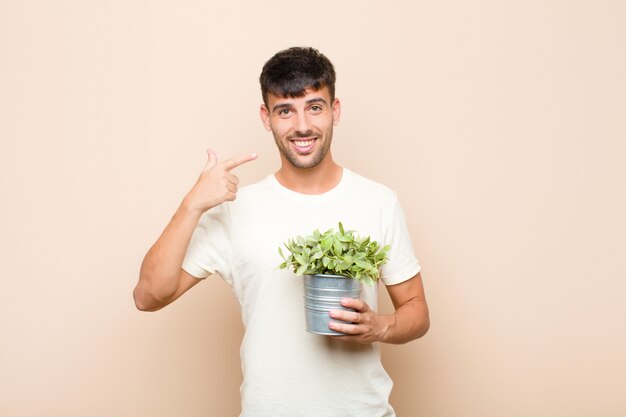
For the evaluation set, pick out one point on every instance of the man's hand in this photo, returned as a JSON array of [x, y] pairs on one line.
[[366, 327], [409, 322], [216, 183]]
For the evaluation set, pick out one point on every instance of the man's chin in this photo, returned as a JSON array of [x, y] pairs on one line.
[[306, 162]]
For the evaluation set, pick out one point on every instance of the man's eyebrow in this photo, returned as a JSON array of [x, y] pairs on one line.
[[281, 106], [316, 100]]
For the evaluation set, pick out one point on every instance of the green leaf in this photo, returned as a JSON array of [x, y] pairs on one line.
[[346, 238], [362, 264], [327, 243], [301, 270], [337, 248], [344, 265], [317, 255], [341, 228]]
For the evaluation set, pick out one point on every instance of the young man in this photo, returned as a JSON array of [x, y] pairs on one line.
[[287, 371]]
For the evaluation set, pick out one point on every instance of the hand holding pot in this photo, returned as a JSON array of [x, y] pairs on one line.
[[216, 183], [367, 326]]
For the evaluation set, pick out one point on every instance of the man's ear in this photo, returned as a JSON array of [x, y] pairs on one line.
[[265, 117], [336, 111]]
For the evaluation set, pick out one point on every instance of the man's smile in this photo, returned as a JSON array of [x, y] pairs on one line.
[[303, 145]]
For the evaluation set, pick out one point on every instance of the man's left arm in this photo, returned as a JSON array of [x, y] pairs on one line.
[[410, 320]]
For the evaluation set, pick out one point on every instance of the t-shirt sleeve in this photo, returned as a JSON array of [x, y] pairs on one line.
[[209, 249], [402, 264]]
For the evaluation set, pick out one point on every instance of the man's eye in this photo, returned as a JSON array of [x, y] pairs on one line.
[[284, 112], [316, 108]]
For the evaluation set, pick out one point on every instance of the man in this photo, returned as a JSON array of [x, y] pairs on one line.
[[287, 371]]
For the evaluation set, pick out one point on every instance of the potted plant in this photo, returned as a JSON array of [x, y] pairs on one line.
[[334, 265]]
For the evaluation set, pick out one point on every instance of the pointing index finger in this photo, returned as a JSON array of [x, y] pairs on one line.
[[235, 162]]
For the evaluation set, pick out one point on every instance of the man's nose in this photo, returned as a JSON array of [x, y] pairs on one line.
[[302, 122]]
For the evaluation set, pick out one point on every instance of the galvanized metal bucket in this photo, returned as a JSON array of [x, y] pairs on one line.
[[323, 293]]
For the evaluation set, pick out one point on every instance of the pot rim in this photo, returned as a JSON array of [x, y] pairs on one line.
[[328, 275]]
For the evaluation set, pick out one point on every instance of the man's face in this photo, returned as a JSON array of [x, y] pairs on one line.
[[302, 126]]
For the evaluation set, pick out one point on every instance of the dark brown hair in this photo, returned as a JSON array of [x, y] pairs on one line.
[[292, 71]]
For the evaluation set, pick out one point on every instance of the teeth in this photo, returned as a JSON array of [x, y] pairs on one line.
[[303, 143]]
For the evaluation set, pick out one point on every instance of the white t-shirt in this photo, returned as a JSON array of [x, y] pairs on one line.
[[288, 371]]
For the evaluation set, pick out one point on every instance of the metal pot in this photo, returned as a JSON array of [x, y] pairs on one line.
[[323, 293]]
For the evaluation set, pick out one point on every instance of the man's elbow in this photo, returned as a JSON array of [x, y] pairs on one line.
[[143, 300], [421, 326], [423, 329]]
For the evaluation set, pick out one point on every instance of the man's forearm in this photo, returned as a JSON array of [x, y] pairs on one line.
[[409, 322], [160, 271]]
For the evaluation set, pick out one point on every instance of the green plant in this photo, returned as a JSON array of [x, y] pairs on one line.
[[335, 253]]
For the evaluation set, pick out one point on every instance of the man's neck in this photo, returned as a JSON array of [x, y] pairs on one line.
[[317, 180]]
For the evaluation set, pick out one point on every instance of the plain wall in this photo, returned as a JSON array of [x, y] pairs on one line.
[[501, 125]]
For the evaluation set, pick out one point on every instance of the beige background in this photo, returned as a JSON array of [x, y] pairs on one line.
[[500, 124]]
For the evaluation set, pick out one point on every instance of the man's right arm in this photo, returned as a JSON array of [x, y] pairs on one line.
[[162, 279]]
